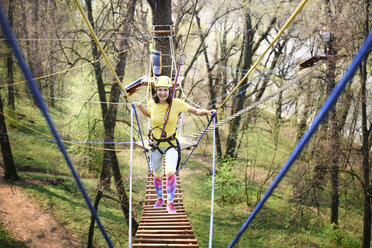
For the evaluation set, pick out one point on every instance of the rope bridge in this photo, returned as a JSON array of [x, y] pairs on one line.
[[158, 228], [151, 216]]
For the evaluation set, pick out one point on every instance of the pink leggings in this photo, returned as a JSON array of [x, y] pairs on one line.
[[171, 157]]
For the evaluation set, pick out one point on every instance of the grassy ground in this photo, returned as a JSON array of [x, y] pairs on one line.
[[279, 224], [8, 241], [276, 225]]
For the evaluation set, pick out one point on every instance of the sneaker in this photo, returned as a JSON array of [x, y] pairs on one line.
[[159, 203], [170, 208]]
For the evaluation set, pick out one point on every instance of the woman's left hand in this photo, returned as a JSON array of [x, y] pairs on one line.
[[212, 112]]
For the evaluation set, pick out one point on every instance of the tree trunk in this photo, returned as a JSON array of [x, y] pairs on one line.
[[31, 31], [334, 135], [9, 62], [366, 167], [92, 219], [6, 151], [105, 175], [305, 115], [334, 144], [238, 102], [109, 113], [367, 222], [162, 19], [51, 92]]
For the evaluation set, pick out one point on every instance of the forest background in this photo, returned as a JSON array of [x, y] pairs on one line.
[[325, 200]]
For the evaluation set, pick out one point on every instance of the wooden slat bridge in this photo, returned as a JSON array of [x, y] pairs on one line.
[[157, 227]]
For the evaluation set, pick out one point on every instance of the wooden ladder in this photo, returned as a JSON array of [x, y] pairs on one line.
[[158, 228]]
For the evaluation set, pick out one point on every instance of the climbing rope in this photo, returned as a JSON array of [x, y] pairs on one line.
[[101, 49], [192, 17], [8, 32], [329, 104]]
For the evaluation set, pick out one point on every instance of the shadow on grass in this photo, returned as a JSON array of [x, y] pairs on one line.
[[68, 195], [7, 241]]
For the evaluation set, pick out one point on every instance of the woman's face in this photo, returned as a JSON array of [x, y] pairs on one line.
[[163, 93]]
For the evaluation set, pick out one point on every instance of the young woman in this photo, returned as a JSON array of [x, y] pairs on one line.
[[164, 137]]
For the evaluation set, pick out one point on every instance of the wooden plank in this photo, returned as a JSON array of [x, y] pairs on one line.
[[152, 215], [181, 212], [169, 227], [151, 202], [162, 235], [151, 209], [164, 240], [170, 221], [165, 218], [163, 31], [163, 223], [166, 245], [311, 61], [165, 231], [153, 191]]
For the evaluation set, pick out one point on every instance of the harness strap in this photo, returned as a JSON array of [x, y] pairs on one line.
[[155, 146], [171, 145]]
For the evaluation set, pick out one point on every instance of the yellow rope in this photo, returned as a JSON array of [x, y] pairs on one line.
[[101, 49], [289, 21], [49, 136], [192, 17], [59, 72]]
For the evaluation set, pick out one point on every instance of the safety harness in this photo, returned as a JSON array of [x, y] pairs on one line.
[[154, 144]]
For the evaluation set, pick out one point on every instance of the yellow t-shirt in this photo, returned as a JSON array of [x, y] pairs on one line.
[[157, 115]]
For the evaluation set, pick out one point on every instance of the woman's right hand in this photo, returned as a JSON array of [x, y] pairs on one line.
[[137, 104]]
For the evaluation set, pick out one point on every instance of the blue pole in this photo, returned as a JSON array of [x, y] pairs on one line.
[[9, 35], [329, 103]]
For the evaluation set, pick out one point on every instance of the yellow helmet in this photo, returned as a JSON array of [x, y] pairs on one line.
[[163, 81]]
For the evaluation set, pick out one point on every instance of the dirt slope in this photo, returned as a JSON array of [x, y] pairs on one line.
[[28, 222]]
